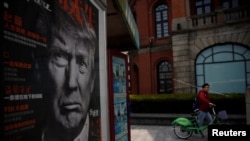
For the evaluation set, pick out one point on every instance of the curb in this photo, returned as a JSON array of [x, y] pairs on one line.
[[166, 119]]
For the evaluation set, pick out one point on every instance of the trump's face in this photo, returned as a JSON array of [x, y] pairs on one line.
[[70, 71]]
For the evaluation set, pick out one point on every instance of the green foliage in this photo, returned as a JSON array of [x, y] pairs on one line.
[[182, 103], [160, 97]]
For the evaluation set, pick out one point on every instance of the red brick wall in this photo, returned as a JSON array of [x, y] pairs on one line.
[[144, 81], [178, 8]]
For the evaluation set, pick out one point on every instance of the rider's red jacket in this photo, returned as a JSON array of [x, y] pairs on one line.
[[204, 101]]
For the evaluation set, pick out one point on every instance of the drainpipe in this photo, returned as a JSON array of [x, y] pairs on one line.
[[150, 46]]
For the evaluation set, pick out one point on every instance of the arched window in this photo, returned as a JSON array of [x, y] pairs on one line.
[[225, 67], [164, 77], [161, 21]]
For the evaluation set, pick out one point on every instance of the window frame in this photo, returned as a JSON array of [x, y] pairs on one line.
[[161, 18], [167, 77], [203, 6]]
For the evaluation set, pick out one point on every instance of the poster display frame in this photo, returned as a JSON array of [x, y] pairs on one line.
[[118, 96]]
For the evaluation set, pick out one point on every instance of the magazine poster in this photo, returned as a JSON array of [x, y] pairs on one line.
[[28, 30]]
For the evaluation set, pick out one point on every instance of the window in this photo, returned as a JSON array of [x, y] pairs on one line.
[[203, 6], [231, 15], [225, 67], [230, 3], [164, 71], [161, 21]]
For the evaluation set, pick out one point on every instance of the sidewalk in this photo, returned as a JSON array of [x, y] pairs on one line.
[[157, 127], [159, 133]]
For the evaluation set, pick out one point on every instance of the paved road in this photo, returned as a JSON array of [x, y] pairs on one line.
[[159, 133]]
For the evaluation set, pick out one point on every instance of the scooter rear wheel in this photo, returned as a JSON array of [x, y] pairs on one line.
[[182, 132]]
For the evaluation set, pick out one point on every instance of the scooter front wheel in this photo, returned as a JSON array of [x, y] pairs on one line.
[[182, 132]]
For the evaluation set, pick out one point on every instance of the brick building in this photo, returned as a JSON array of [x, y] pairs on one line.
[[185, 43]]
